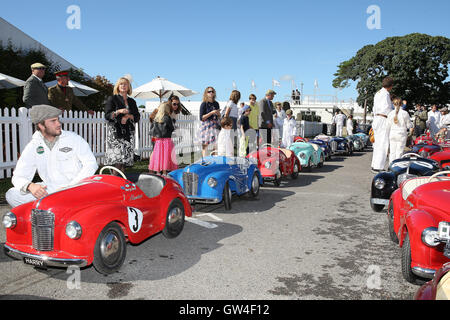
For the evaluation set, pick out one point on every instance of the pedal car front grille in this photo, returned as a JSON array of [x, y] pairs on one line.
[[333, 146], [42, 228], [190, 183]]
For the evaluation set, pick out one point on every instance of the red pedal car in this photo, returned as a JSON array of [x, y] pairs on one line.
[[419, 220], [276, 163], [438, 288], [92, 222], [443, 158]]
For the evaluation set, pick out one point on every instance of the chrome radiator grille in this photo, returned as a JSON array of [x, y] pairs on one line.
[[190, 183], [42, 228], [333, 146]]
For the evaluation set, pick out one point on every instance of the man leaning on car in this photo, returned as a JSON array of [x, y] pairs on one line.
[[61, 158]]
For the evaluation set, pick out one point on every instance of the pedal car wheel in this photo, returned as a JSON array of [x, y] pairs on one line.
[[110, 249], [309, 165], [406, 262], [278, 177], [174, 220], [295, 171], [254, 191], [377, 207], [390, 217], [227, 196], [320, 165]]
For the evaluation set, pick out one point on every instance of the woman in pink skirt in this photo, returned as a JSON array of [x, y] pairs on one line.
[[163, 158]]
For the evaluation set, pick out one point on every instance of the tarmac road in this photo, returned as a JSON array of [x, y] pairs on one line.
[[311, 238]]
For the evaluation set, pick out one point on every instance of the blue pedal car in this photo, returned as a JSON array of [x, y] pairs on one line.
[[214, 179]]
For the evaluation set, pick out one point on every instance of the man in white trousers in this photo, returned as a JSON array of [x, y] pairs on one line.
[[434, 118], [349, 125], [382, 105], [340, 120], [61, 158]]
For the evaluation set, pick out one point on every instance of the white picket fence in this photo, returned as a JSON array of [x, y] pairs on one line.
[[16, 131]]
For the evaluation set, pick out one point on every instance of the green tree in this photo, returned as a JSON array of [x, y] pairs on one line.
[[417, 62]]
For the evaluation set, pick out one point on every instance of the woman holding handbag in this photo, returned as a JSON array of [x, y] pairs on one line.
[[122, 114], [163, 158], [209, 117]]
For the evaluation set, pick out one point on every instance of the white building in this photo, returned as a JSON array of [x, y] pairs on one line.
[[20, 40]]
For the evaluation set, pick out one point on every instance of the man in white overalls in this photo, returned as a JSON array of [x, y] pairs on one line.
[[382, 105], [61, 158]]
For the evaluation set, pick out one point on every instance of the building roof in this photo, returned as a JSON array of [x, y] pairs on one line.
[[20, 40]]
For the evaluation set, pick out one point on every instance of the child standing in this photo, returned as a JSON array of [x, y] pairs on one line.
[[244, 125], [224, 141], [289, 129], [163, 156]]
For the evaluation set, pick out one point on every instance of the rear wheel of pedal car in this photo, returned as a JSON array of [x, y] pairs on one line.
[[254, 191], [110, 249], [309, 165], [295, 171], [174, 220], [390, 217], [320, 165], [278, 177], [406, 262], [227, 196]]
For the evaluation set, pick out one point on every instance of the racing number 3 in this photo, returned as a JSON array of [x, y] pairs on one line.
[[134, 219]]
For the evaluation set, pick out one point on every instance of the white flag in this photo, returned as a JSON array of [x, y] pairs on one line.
[[316, 84], [275, 83], [253, 84], [234, 85]]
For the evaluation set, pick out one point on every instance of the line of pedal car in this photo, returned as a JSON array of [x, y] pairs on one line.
[[215, 179], [91, 223], [416, 191]]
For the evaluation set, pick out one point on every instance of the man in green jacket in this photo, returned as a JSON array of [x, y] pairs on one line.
[[420, 120], [62, 96]]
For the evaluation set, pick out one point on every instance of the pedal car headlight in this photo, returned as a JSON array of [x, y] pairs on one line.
[[380, 183], [302, 155], [73, 230], [268, 164], [404, 177], [212, 182], [9, 220], [430, 237]]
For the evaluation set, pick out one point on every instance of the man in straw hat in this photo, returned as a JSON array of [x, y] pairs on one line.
[[35, 91], [62, 96], [61, 158]]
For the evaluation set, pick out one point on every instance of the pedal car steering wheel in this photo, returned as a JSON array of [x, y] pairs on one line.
[[409, 154], [113, 168]]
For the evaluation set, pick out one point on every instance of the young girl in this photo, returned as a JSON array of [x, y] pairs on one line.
[[289, 129], [224, 141], [163, 156]]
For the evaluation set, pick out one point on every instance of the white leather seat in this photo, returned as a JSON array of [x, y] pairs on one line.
[[411, 184]]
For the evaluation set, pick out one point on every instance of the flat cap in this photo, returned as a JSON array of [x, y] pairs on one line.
[[41, 112], [37, 65], [270, 91], [443, 109]]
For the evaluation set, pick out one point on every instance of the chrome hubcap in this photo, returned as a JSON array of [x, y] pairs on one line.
[[175, 215], [110, 247]]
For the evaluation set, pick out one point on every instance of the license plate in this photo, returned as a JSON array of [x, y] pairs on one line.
[[34, 262]]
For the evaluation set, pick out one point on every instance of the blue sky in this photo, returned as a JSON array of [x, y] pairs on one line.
[[199, 43]]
